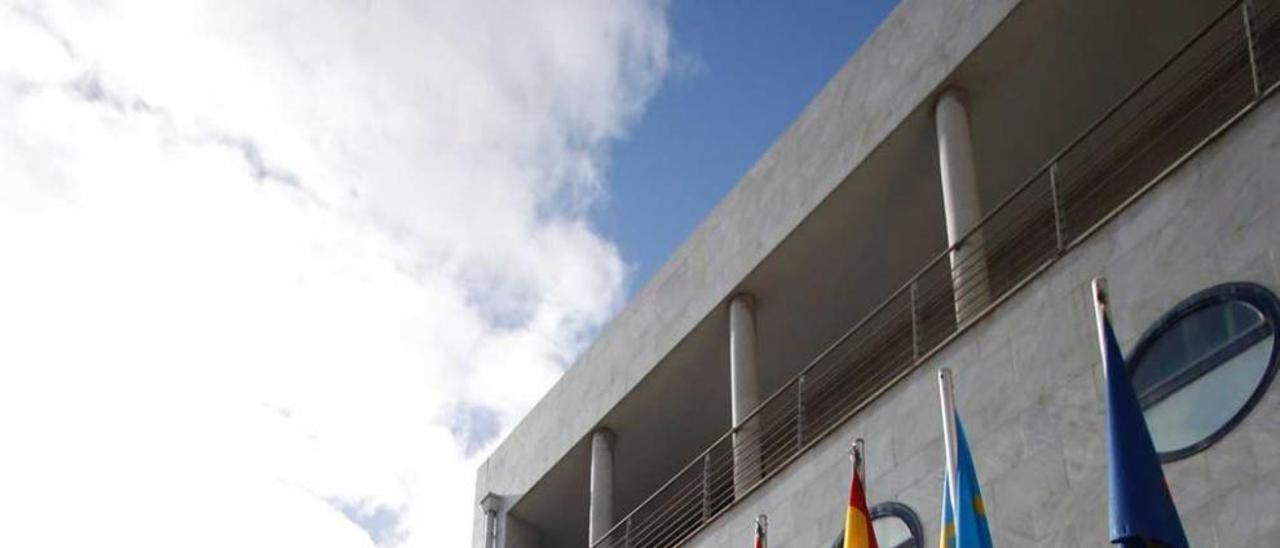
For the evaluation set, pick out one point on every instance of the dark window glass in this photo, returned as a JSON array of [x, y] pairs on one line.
[[1202, 366]]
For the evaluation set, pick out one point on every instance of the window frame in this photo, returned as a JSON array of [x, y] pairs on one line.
[[1255, 295], [892, 509]]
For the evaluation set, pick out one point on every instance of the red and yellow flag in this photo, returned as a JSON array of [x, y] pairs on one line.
[[857, 522]]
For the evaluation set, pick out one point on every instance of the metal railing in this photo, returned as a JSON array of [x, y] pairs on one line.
[[1217, 77]]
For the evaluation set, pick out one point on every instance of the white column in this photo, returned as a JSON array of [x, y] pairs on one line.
[[601, 511], [744, 377], [960, 202], [489, 504]]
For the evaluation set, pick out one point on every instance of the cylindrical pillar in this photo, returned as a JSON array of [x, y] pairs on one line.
[[744, 377], [489, 504], [601, 511], [962, 207]]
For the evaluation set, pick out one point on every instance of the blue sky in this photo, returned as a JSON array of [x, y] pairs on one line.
[[744, 71]]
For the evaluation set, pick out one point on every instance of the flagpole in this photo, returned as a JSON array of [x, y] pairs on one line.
[[946, 393], [1100, 317], [858, 532], [856, 452]]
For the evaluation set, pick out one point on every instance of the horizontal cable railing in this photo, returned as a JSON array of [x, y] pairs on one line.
[[1223, 72]]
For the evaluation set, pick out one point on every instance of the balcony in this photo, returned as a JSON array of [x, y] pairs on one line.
[[1219, 74]]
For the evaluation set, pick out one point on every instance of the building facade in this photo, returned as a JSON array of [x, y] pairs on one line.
[[946, 201]]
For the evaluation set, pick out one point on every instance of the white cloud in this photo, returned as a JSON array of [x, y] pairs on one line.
[[264, 267]]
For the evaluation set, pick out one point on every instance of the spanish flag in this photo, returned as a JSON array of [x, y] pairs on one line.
[[857, 522]]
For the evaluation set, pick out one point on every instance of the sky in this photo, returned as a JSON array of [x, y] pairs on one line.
[[740, 73], [283, 273]]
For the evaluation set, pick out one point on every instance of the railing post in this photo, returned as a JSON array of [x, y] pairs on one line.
[[626, 534], [706, 487], [915, 322], [800, 412], [1253, 60], [1059, 226]]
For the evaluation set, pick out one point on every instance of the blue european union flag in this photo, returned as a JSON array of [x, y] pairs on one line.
[[965, 527], [1142, 511]]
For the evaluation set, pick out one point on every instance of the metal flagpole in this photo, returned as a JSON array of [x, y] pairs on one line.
[[946, 393], [1100, 316], [856, 453]]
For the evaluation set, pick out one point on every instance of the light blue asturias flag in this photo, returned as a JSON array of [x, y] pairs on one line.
[[967, 527], [1142, 510]]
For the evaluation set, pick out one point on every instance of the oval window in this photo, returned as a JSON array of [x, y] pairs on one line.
[[896, 526], [1201, 368]]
